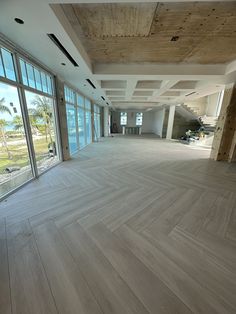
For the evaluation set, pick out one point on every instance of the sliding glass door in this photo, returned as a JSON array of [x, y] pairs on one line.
[[42, 123], [28, 121], [15, 167]]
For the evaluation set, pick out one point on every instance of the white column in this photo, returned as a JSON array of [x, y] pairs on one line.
[[170, 122], [106, 121]]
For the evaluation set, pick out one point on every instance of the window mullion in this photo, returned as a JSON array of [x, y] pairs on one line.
[[2, 64]]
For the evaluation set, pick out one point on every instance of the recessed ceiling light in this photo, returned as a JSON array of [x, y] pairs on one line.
[[63, 63], [19, 21]]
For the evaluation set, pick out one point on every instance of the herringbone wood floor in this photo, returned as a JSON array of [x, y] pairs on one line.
[[134, 225]]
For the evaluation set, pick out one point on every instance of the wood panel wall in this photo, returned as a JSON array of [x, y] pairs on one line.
[[224, 143]]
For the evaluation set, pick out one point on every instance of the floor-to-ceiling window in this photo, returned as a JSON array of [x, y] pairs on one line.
[[81, 121], [15, 167], [79, 124], [28, 121], [42, 123], [97, 122], [88, 121], [71, 114]]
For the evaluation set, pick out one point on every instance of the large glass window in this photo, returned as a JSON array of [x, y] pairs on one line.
[[79, 132], [88, 127], [28, 133], [81, 121], [7, 68], [71, 128], [71, 114], [15, 168], [42, 123], [139, 118], [81, 126], [123, 118], [88, 121], [35, 78], [97, 123]]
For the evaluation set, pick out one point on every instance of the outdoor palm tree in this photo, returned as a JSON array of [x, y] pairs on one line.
[[18, 124], [43, 111], [3, 124], [4, 108]]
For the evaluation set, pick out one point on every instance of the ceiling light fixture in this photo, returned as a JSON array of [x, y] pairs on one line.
[[18, 20]]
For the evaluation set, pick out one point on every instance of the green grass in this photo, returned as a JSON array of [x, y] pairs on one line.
[[20, 154]]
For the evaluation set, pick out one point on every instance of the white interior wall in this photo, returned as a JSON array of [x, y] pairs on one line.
[[152, 120], [212, 101], [148, 122], [158, 121]]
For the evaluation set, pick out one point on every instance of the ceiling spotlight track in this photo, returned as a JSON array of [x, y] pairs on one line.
[[56, 41]]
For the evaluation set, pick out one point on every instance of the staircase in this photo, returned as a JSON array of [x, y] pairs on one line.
[[208, 122]]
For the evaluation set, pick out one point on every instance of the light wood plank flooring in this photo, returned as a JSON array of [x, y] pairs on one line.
[[132, 225]]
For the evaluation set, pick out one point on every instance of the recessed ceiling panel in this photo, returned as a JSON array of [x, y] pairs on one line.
[[203, 32], [115, 19], [148, 84], [171, 93], [185, 85], [143, 93], [115, 92], [113, 84]]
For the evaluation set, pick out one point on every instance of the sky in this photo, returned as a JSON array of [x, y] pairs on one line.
[[10, 94]]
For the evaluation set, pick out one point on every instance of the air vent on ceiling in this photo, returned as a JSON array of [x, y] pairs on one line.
[[91, 83], [56, 41], [102, 97], [190, 94]]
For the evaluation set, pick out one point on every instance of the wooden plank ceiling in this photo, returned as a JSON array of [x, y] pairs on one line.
[[205, 32]]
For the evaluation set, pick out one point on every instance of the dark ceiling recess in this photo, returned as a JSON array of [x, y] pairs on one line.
[[19, 21], [63, 49], [190, 93], [102, 97], [91, 83], [174, 38], [107, 103]]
